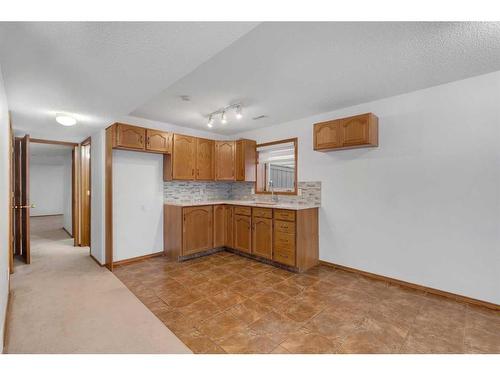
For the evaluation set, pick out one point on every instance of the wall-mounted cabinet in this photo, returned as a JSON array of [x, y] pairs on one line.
[[246, 160], [183, 157], [346, 133], [225, 160], [158, 141], [130, 137], [136, 138], [205, 152]]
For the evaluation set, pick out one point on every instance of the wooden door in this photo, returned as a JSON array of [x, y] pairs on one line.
[[158, 141], [328, 135], [129, 136], [355, 130], [197, 229], [184, 155], [243, 233], [85, 194], [22, 199], [229, 235], [262, 239], [205, 150], [240, 161], [219, 225], [225, 152]]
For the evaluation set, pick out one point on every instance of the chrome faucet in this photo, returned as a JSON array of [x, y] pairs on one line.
[[274, 197]]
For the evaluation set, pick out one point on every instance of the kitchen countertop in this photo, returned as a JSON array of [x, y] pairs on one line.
[[285, 206]]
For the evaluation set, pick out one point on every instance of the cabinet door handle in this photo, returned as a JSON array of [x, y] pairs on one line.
[[141, 139], [192, 172]]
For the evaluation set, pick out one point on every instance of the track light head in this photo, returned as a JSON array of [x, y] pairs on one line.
[[223, 118], [239, 115]]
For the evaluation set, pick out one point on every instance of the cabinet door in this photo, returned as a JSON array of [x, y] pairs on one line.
[[243, 233], [219, 225], [183, 154], [327, 135], [158, 141], [262, 240], [246, 160], [240, 161], [205, 149], [355, 130], [197, 229], [229, 240], [131, 136], [225, 160]]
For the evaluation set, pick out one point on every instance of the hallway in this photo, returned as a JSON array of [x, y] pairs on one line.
[[65, 303]]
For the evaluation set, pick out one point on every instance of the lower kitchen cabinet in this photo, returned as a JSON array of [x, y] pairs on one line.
[[219, 225], [197, 229], [286, 237], [243, 233], [229, 234], [262, 239]]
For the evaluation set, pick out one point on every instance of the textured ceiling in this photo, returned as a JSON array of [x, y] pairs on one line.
[[102, 72], [288, 71], [98, 71]]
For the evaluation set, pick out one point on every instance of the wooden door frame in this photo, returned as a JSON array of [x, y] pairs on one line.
[[86, 142], [74, 183], [11, 196], [108, 198]]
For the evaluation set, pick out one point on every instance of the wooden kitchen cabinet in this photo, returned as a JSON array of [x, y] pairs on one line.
[[219, 225], [284, 237], [158, 141], [183, 157], [205, 152], [225, 154], [243, 233], [246, 160], [130, 137], [197, 229], [262, 233], [229, 235], [345, 133]]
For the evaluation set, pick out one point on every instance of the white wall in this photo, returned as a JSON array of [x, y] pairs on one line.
[[424, 207], [50, 186], [97, 156], [137, 204], [4, 207]]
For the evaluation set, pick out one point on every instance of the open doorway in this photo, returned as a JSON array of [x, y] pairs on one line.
[[51, 194]]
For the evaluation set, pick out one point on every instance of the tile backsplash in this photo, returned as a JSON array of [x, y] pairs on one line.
[[183, 191]]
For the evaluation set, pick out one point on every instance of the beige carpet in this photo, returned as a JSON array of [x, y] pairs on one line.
[[65, 303]]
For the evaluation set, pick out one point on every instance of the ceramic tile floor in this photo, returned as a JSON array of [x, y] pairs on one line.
[[224, 303]]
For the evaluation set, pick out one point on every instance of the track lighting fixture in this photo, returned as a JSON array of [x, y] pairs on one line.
[[223, 114]]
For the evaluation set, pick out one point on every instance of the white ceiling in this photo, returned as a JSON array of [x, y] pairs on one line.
[[101, 72], [293, 70], [98, 71]]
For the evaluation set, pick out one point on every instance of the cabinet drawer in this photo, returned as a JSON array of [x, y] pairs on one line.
[[242, 210], [284, 256], [287, 215], [284, 241], [262, 212], [284, 226]]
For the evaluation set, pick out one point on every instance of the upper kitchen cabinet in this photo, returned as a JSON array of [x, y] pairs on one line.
[[158, 141], [183, 157], [345, 133], [246, 160], [129, 136], [225, 160], [205, 160]]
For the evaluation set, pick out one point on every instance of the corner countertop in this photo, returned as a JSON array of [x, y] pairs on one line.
[[285, 206]]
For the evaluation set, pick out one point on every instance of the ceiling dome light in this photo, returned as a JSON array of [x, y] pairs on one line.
[[65, 120], [210, 121], [223, 119], [239, 115]]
